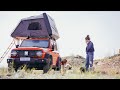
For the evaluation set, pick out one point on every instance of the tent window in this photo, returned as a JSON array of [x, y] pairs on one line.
[[34, 26]]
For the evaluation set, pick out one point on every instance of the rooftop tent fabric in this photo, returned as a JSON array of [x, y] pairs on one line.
[[51, 27], [36, 26]]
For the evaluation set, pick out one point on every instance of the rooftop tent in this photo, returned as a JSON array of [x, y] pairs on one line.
[[36, 26]]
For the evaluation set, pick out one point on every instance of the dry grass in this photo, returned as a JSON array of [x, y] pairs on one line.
[[70, 74], [107, 68]]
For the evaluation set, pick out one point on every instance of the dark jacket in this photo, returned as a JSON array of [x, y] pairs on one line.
[[90, 48]]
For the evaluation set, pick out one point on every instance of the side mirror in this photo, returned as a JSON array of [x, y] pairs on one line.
[[17, 46]]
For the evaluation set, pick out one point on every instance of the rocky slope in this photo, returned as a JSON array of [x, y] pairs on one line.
[[75, 60], [108, 65]]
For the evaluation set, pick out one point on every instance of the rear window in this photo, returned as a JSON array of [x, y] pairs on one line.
[[34, 26]]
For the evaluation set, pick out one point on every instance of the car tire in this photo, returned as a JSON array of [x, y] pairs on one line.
[[48, 65], [58, 66], [10, 68]]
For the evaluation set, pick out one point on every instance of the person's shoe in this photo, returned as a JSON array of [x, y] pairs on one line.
[[91, 69], [87, 70]]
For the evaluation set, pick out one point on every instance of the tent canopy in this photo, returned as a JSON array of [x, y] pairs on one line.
[[37, 27]]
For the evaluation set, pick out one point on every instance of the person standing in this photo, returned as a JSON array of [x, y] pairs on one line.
[[89, 53]]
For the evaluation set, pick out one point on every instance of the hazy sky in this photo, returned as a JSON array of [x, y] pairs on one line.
[[73, 26]]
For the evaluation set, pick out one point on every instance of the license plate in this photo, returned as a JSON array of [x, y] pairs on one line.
[[24, 58]]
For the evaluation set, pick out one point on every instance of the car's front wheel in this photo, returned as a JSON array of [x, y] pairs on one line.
[[48, 65], [11, 67]]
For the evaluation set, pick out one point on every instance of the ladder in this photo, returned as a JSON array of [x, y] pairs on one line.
[[8, 49]]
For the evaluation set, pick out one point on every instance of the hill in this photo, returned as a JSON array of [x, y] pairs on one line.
[[75, 60], [108, 65]]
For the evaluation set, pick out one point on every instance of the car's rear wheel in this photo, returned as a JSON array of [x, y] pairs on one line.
[[58, 65]]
